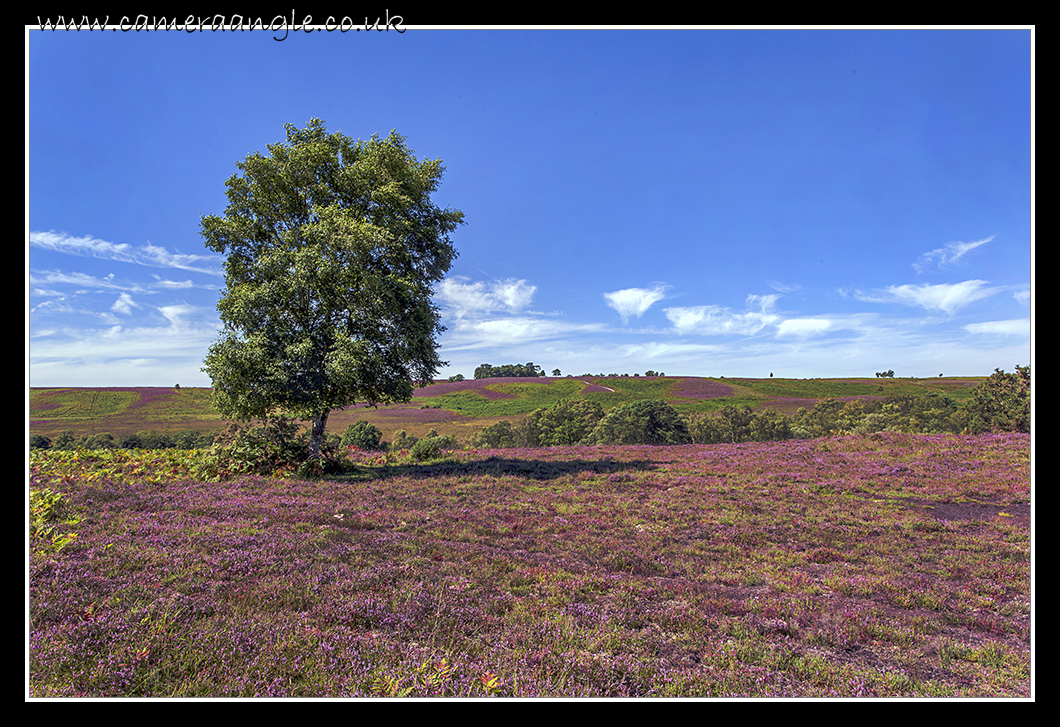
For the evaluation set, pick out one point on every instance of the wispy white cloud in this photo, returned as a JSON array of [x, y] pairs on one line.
[[947, 256], [58, 277], [713, 319], [176, 314], [634, 301], [497, 332], [783, 287], [175, 284], [464, 298], [945, 297], [150, 255], [1019, 327], [124, 304], [1023, 297], [803, 327]]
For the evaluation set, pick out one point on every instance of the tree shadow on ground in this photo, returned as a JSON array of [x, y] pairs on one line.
[[498, 467]]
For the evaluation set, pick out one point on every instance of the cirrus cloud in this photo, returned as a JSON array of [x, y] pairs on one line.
[[151, 255], [464, 298], [1018, 327], [714, 319], [945, 297], [947, 256], [634, 301]]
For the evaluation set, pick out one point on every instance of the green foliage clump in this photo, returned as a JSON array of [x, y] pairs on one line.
[[39, 441], [364, 435], [432, 445], [65, 440], [277, 446], [642, 422], [740, 424], [149, 439], [569, 422], [192, 439], [402, 441], [103, 440], [502, 435], [426, 448], [1002, 403], [925, 414]]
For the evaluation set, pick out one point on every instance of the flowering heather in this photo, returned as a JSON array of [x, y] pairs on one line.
[[696, 388], [478, 385], [419, 415], [887, 565]]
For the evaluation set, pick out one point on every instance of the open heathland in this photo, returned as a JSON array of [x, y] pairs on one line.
[[463, 408], [884, 565]]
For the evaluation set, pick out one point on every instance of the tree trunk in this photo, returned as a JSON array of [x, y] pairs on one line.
[[316, 437]]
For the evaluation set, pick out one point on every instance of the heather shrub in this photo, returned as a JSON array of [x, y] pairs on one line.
[[650, 421], [363, 435]]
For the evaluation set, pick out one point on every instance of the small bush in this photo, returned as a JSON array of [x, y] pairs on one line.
[[363, 435], [276, 446], [502, 435], [427, 448], [192, 439], [402, 440], [65, 440]]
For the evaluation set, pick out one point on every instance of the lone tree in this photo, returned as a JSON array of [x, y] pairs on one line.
[[333, 247]]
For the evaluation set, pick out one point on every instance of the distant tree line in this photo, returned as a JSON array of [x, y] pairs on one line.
[[149, 439], [485, 371]]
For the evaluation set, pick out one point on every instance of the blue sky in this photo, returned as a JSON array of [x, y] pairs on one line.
[[731, 203]]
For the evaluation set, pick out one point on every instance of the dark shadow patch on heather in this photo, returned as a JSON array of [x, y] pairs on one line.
[[502, 467]]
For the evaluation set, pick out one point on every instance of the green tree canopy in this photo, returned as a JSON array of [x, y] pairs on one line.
[[333, 247], [650, 421]]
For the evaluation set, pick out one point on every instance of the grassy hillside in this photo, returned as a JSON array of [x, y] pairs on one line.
[[462, 408]]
